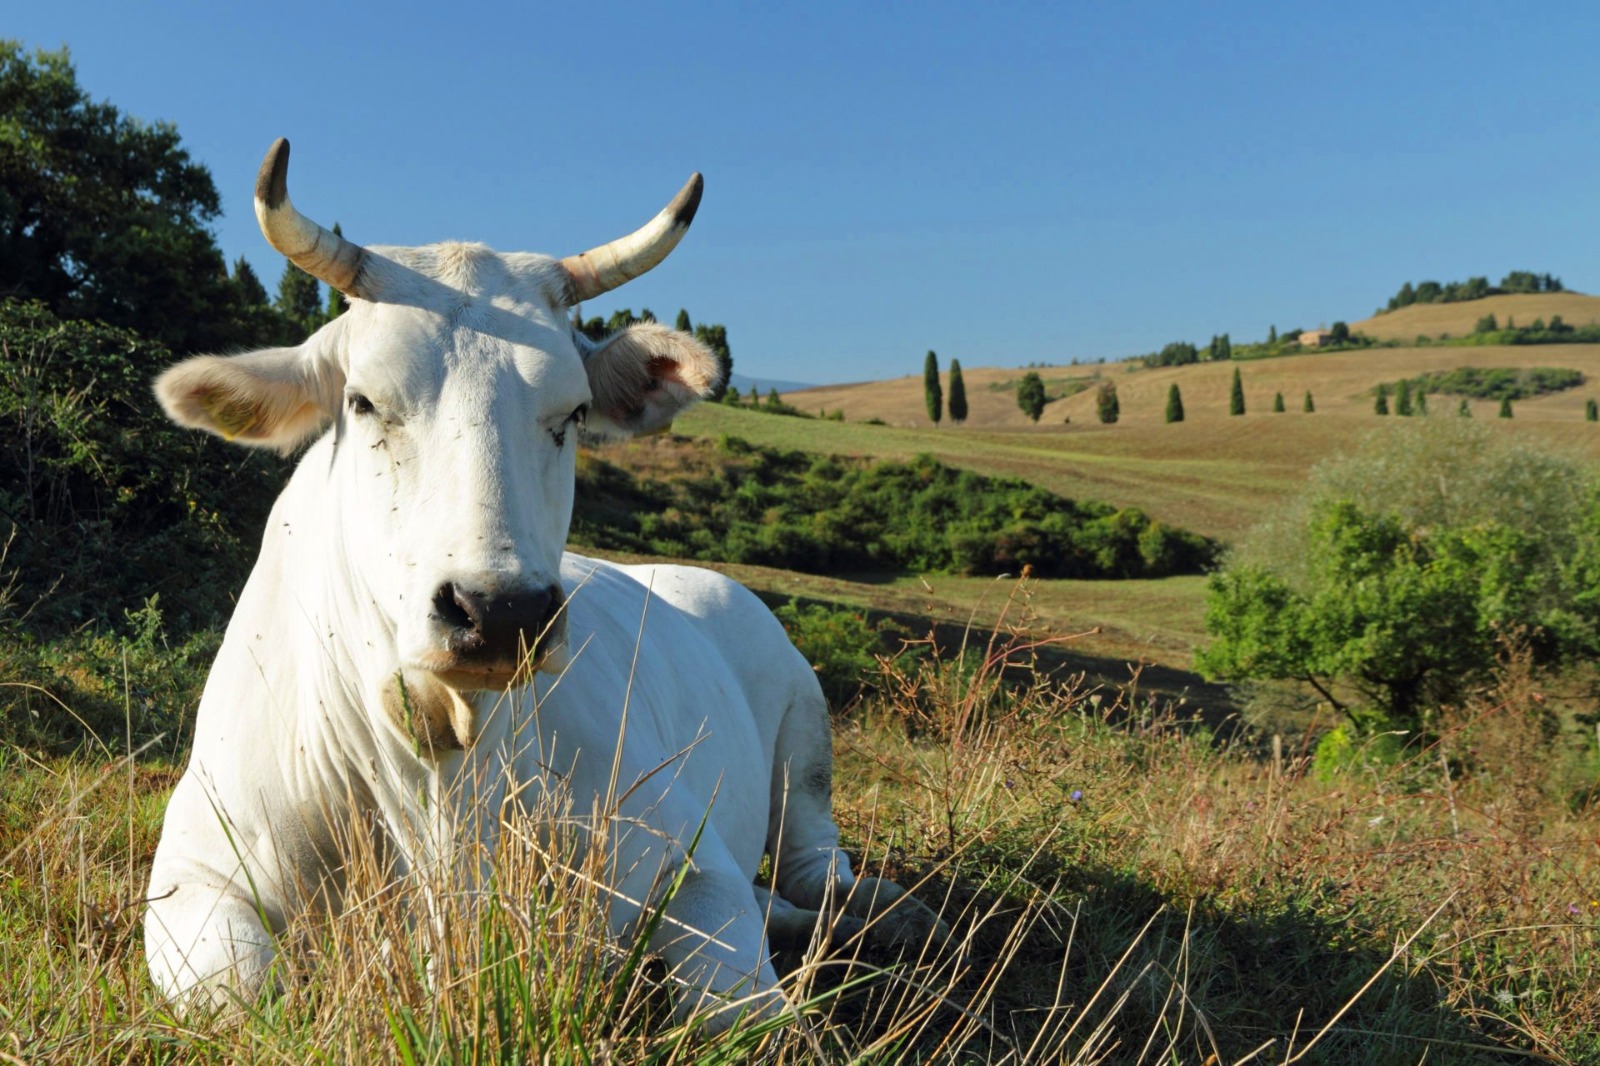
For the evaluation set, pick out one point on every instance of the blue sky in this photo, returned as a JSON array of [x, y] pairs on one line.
[[1003, 183]]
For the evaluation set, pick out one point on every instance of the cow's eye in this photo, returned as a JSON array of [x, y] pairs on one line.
[[576, 418], [359, 404]]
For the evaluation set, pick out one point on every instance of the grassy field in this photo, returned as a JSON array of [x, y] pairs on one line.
[[1127, 882], [1213, 473], [1458, 319], [1119, 893]]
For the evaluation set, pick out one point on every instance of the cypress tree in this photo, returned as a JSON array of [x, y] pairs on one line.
[[1402, 399], [1277, 403], [1505, 407], [683, 325], [1422, 402], [1465, 410], [1382, 406], [1225, 348], [1308, 407], [1236, 395], [1591, 410], [1272, 334], [958, 394], [931, 392], [1106, 405], [1174, 404]]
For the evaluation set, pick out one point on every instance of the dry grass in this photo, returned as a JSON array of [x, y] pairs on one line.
[[1212, 473], [1458, 319], [1124, 893]]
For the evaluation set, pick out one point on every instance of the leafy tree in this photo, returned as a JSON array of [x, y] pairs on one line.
[[932, 394], [682, 324], [1178, 353], [1174, 404], [1591, 410], [1505, 407], [1107, 409], [1381, 406], [1277, 403], [1390, 609], [104, 217], [1224, 348], [1031, 395], [1340, 333], [958, 394], [1486, 324], [1308, 406], [1402, 399], [1236, 394]]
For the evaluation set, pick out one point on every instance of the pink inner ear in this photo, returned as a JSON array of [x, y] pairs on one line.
[[661, 368]]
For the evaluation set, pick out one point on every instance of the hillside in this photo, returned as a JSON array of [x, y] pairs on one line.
[[1458, 319], [1340, 383], [1212, 473]]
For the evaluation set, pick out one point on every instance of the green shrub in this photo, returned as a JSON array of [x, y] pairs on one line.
[[110, 502], [829, 514]]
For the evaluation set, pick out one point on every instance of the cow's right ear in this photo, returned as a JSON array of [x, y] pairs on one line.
[[274, 398]]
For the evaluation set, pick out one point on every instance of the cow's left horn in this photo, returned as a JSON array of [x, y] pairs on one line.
[[604, 268], [321, 253]]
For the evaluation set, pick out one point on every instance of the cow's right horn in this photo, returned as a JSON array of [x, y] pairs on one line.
[[321, 253], [604, 268]]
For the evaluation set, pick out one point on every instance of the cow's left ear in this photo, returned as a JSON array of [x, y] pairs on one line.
[[642, 377], [274, 398]]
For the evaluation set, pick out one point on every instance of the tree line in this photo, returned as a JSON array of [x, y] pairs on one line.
[[1474, 288]]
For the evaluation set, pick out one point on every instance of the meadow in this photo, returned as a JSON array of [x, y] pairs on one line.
[[1133, 871]]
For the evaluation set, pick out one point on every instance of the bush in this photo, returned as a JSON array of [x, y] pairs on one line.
[[1389, 607], [110, 502], [827, 514]]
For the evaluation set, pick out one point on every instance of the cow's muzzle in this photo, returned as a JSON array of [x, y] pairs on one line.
[[491, 636]]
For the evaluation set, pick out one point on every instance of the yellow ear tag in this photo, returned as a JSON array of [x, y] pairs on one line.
[[231, 415]]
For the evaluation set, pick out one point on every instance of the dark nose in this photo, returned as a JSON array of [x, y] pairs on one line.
[[494, 627]]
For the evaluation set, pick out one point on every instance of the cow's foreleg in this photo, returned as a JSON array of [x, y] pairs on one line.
[[206, 945]]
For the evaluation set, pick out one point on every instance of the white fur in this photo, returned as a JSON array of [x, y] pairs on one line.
[[462, 471]]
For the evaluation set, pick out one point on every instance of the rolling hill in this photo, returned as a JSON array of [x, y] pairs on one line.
[[1458, 319]]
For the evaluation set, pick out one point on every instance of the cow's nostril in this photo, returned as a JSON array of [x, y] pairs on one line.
[[453, 607]]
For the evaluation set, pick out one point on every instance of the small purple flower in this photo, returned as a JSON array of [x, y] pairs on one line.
[[1077, 794], [1573, 908]]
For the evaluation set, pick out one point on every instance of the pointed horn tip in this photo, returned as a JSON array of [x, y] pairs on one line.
[[687, 202], [272, 180]]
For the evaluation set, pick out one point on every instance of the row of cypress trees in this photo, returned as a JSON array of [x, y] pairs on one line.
[[933, 394]]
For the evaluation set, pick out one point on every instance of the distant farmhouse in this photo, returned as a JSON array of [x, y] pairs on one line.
[[1315, 338]]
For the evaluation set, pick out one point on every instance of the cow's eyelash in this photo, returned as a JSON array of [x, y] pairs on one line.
[[578, 417]]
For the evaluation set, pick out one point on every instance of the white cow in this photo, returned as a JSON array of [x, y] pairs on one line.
[[377, 667]]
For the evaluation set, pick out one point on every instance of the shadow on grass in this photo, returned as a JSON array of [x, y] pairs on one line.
[[1168, 691], [1111, 970]]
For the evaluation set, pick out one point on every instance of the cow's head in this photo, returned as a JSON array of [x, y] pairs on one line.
[[456, 392]]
